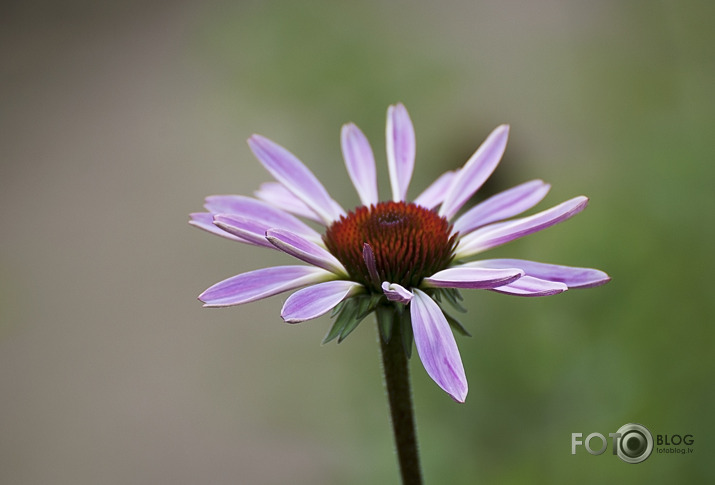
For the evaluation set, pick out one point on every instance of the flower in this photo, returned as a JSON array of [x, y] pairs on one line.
[[411, 257]]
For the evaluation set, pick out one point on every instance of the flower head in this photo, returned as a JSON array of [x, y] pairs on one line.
[[408, 257]]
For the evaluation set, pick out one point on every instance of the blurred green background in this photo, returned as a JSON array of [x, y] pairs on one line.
[[117, 118]]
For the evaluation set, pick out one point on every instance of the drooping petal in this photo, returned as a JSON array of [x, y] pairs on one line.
[[261, 212], [504, 232], [434, 195], [368, 255], [360, 163], [205, 221], [503, 205], [278, 196], [471, 277], [296, 177], [530, 286], [436, 346], [249, 230], [262, 283], [396, 292], [475, 172], [305, 250], [571, 276], [317, 300], [400, 142]]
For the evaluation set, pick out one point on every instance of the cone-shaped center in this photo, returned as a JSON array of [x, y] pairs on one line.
[[408, 242]]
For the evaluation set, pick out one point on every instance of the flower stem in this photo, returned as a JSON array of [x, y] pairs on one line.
[[399, 394]]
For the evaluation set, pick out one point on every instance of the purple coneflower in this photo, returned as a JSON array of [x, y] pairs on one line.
[[407, 258]]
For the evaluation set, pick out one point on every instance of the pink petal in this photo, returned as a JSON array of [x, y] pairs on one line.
[[504, 232], [261, 283], [469, 277], [278, 196], [396, 292], [317, 300], [360, 163], [571, 276], [530, 286], [296, 177], [305, 250], [434, 194], [249, 230], [400, 144], [502, 206], [261, 212], [205, 221], [436, 346], [475, 172]]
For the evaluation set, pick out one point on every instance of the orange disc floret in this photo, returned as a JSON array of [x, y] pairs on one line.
[[409, 243]]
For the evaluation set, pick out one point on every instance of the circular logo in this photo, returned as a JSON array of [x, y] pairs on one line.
[[635, 443]]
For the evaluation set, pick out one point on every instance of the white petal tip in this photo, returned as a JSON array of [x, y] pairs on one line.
[[460, 398], [254, 140], [291, 320], [580, 203], [593, 283]]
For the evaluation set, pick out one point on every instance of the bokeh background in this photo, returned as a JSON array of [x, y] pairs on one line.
[[117, 118]]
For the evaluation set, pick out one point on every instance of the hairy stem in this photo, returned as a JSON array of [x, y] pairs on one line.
[[399, 394]]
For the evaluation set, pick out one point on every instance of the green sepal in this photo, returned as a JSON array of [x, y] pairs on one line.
[[346, 313], [349, 327], [349, 314], [370, 304], [337, 309], [359, 314], [365, 306], [456, 324], [385, 317], [454, 298]]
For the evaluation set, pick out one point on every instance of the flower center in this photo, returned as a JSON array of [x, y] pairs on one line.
[[406, 242]]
